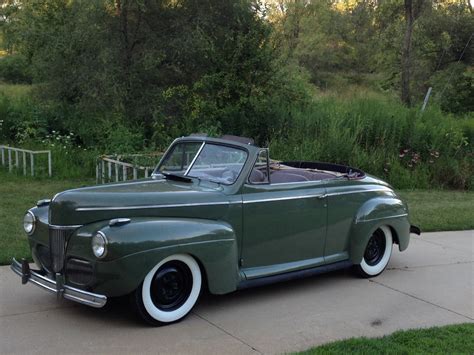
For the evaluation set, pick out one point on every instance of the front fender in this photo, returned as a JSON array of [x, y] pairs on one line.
[[135, 248], [374, 213]]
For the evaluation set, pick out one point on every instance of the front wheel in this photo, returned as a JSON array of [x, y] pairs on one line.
[[377, 253], [169, 291]]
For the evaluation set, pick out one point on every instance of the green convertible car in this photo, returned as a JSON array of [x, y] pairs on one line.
[[217, 214]]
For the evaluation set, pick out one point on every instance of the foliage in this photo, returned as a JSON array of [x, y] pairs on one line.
[[337, 39], [408, 148], [15, 69], [159, 66], [451, 339], [126, 76]]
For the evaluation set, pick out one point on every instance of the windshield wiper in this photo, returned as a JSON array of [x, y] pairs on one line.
[[176, 177]]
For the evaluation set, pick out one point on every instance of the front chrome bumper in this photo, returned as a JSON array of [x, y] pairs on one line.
[[27, 275]]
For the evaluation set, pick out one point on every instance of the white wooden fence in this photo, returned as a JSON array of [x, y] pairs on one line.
[[22, 158], [111, 168]]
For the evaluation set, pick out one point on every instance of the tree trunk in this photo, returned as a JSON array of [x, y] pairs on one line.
[[406, 53]]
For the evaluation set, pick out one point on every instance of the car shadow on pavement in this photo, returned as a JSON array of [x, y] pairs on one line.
[[281, 289], [119, 312]]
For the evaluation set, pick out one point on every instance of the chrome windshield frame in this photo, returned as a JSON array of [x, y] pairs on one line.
[[157, 174], [194, 159]]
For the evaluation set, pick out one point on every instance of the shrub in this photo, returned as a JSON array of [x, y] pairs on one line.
[[15, 69], [402, 145]]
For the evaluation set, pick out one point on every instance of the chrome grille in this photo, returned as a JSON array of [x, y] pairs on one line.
[[79, 271], [57, 244]]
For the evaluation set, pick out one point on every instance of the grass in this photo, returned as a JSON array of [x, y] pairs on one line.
[[440, 210], [431, 210], [407, 148], [451, 339], [15, 90], [17, 195]]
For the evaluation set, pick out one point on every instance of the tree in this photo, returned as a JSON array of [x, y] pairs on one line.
[[158, 67], [412, 12]]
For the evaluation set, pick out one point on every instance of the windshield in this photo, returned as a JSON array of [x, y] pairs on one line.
[[206, 161]]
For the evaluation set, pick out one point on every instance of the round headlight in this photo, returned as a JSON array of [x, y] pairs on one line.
[[99, 245], [29, 222]]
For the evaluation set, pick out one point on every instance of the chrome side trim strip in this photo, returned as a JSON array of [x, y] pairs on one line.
[[119, 208], [320, 196], [379, 218], [307, 182], [283, 198], [356, 192]]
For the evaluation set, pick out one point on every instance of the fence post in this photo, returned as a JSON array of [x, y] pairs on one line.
[[116, 172], [24, 163], [9, 160], [3, 155], [16, 159], [109, 171], [97, 172], [146, 172], [102, 171], [32, 162], [124, 173], [427, 97], [50, 165], [134, 173]]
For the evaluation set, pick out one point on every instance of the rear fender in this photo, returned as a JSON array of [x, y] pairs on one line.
[[374, 213]]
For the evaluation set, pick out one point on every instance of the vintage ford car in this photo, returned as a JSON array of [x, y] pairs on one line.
[[217, 214]]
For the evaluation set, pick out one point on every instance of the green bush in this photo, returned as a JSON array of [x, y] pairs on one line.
[[408, 148], [15, 69]]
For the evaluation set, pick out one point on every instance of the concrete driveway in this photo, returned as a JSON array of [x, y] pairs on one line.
[[432, 283]]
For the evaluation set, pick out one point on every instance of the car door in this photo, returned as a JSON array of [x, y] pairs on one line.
[[284, 227]]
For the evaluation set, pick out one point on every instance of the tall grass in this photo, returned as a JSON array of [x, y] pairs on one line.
[[408, 148], [360, 128]]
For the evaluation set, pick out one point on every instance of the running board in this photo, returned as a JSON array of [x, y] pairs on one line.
[[294, 275]]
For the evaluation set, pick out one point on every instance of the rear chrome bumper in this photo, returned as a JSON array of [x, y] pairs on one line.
[[27, 275]]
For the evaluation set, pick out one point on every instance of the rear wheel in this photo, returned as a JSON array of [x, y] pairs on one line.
[[377, 253], [169, 291]]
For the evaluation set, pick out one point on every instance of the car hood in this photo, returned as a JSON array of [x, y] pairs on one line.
[[142, 198]]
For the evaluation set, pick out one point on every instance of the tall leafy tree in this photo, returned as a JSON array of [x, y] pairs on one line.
[[412, 12]]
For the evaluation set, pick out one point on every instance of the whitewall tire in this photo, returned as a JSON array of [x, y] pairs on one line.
[[169, 291], [377, 253]]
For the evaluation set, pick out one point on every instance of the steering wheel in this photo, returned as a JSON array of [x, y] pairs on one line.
[[229, 175]]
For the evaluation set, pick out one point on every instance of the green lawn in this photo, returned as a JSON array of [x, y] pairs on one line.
[[17, 195], [440, 210], [431, 210], [451, 339]]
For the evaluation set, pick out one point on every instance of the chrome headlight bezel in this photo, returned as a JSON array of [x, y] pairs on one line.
[[98, 242], [31, 222]]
